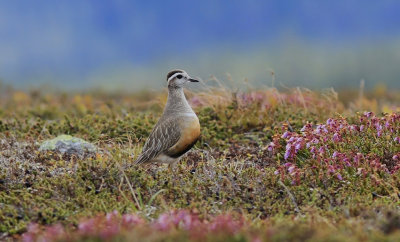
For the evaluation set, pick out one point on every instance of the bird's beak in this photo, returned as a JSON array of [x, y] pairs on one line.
[[193, 80]]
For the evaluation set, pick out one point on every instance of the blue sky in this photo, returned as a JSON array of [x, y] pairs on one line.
[[68, 43]]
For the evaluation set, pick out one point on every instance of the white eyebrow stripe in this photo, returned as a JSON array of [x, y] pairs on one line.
[[174, 75]]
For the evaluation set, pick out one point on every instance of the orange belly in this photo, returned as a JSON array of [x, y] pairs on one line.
[[189, 136]]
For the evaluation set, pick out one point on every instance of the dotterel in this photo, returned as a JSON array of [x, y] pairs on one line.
[[177, 130]]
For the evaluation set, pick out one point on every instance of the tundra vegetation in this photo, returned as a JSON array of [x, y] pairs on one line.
[[271, 165]]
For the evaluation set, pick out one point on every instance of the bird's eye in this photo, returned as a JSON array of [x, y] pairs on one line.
[[179, 76]]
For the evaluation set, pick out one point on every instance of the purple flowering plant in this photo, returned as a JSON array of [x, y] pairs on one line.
[[364, 145]]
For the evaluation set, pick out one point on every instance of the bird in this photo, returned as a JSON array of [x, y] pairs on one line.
[[178, 128]]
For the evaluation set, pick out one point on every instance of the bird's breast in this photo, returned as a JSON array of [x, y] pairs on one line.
[[190, 132]]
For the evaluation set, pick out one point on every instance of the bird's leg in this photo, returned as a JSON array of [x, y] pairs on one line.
[[172, 165]]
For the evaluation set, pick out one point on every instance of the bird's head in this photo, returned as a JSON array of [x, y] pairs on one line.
[[178, 78]]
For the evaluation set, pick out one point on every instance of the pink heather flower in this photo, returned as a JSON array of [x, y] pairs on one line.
[[358, 157], [287, 154], [362, 127], [347, 162], [397, 139], [291, 169], [368, 114], [245, 98], [30, 235], [225, 223], [315, 141], [306, 127], [287, 164], [276, 172], [339, 176], [196, 102], [112, 215], [375, 122], [87, 227], [164, 221], [379, 129], [321, 150], [257, 96], [131, 219], [297, 147], [167, 220], [285, 135], [271, 146], [182, 216], [291, 139], [395, 157], [318, 129], [336, 138], [313, 150], [308, 145], [110, 230], [55, 231], [331, 169], [33, 228], [190, 222], [335, 154]]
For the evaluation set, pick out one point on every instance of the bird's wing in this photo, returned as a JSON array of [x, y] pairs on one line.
[[164, 135]]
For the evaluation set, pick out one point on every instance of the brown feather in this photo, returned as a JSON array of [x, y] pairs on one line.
[[164, 135]]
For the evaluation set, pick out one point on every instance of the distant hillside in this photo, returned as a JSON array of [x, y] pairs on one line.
[[74, 43]]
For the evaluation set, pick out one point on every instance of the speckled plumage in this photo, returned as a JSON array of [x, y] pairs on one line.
[[178, 128]]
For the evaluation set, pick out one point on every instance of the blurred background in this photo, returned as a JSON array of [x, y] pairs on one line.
[[131, 45]]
